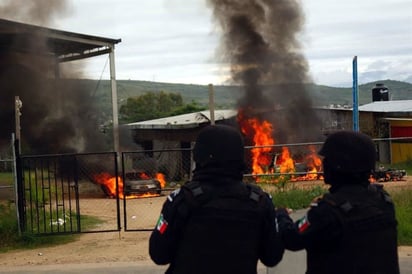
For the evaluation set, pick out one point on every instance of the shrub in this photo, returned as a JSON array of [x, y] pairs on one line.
[[296, 198], [403, 203]]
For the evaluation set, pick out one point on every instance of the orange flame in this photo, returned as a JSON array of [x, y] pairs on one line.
[[161, 178], [262, 153], [109, 182], [313, 165], [262, 137], [287, 164]]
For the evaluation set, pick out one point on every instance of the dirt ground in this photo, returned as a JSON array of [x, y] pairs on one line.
[[114, 246]]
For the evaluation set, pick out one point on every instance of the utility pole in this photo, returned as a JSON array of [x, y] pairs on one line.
[[355, 111]]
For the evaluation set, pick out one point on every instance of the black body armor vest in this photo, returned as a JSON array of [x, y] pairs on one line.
[[223, 228], [369, 235]]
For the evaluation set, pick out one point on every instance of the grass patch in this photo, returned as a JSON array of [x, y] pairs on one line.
[[10, 238], [403, 203], [297, 198], [6, 178], [8, 226]]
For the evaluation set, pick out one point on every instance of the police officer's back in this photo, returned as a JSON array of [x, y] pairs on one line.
[[216, 223], [352, 228]]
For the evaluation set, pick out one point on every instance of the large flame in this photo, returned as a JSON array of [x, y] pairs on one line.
[[109, 182], [261, 132], [286, 163], [313, 164], [262, 154]]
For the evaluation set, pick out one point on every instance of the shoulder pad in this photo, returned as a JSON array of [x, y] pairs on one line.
[[194, 187], [379, 188], [332, 200], [255, 192]]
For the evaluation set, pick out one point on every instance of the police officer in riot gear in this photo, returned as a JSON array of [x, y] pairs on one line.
[[216, 223], [352, 228]]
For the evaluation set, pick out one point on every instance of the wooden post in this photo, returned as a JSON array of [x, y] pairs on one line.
[[211, 104], [18, 104]]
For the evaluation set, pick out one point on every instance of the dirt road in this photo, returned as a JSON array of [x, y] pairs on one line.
[[114, 246]]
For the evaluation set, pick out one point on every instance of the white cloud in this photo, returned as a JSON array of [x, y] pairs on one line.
[[174, 40], [378, 32]]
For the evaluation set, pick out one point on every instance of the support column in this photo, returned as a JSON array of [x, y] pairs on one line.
[[114, 102]]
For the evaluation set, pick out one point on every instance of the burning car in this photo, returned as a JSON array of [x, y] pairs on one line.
[[386, 175], [136, 183]]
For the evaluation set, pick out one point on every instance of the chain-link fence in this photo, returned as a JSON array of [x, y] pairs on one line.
[[7, 189], [62, 189], [156, 173], [276, 163], [149, 176]]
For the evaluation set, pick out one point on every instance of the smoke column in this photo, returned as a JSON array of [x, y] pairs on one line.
[[58, 116], [259, 41]]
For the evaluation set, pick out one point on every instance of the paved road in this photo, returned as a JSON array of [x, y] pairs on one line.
[[292, 263]]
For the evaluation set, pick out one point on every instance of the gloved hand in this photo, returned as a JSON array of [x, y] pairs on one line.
[[283, 219], [284, 211]]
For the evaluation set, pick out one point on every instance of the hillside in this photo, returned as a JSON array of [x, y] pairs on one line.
[[227, 96]]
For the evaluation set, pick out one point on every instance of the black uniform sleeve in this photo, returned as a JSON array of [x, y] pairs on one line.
[[272, 248], [319, 227], [164, 237]]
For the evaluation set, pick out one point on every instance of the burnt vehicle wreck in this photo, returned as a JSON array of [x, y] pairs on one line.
[[141, 183], [387, 175]]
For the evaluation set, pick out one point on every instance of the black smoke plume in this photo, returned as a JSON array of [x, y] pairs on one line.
[[58, 116], [260, 42]]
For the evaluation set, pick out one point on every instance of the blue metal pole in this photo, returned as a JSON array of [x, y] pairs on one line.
[[355, 112]]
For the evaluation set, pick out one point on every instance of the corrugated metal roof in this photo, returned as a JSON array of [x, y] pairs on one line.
[[67, 46], [189, 120], [192, 120], [397, 119], [388, 106]]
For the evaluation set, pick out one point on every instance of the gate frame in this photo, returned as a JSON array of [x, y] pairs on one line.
[[21, 197]]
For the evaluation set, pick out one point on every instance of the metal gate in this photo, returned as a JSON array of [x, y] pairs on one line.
[[79, 193], [68, 193]]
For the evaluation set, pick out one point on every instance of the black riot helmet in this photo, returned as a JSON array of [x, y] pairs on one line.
[[349, 152], [219, 145]]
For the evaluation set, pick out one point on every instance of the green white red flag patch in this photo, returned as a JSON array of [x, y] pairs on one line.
[[161, 224], [303, 224]]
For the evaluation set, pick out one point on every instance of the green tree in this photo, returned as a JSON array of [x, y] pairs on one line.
[[154, 105], [188, 108]]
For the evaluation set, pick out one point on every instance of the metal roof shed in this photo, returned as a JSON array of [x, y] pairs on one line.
[[62, 46], [184, 127]]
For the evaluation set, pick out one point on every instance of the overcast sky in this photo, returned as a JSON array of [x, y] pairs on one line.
[[175, 40]]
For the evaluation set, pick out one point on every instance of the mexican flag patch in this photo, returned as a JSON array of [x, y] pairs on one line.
[[303, 224], [161, 224]]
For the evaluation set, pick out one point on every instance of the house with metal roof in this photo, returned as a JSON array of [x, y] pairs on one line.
[[392, 123], [388, 122], [175, 136], [394, 108], [180, 128]]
